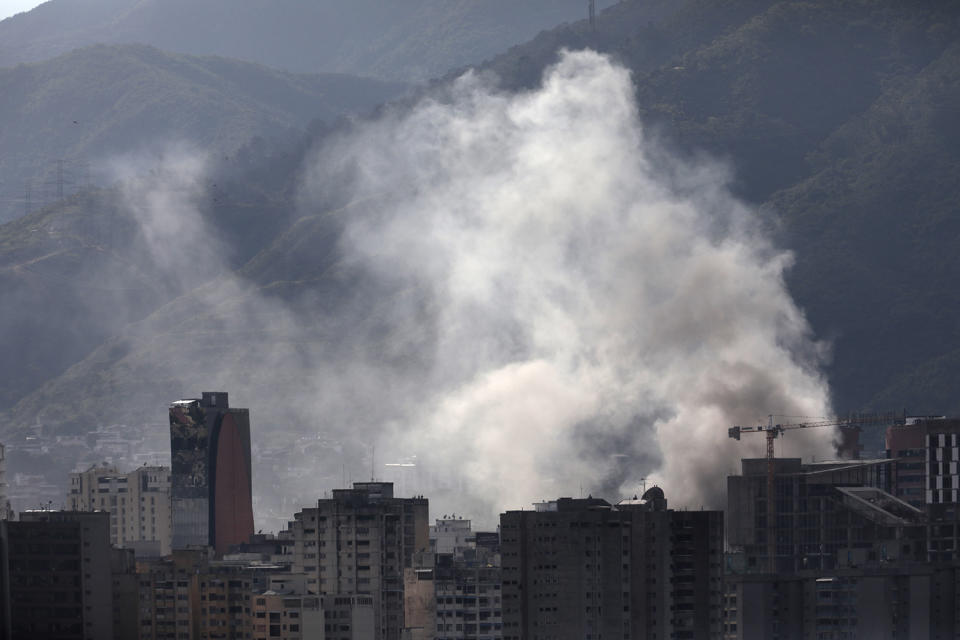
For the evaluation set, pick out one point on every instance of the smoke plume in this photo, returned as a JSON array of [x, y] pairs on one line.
[[506, 297], [598, 310]]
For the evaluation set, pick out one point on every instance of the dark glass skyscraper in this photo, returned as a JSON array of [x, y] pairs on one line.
[[211, 488]]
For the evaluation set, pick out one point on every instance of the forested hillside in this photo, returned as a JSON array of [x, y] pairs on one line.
[[841, 120]]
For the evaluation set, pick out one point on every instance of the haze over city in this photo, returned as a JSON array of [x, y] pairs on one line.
[[472, 270]]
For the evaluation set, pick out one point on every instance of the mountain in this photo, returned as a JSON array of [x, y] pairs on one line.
[[76, 272], [72, 271], [407, 41], [875, 228], [839, 119], [65, 118], [57, 304], [839, 123]]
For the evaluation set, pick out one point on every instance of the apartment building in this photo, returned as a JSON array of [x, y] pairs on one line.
[[138, 503], [358, 543], [57, 574], [585, 569]]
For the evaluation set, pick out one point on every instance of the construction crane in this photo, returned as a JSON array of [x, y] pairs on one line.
[[772, 431]]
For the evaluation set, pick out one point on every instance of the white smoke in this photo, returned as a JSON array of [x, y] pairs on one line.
[[162, 191], [602, 311], [530, 298]]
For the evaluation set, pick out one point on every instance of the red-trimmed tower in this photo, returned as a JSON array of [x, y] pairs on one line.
[[212, 490]]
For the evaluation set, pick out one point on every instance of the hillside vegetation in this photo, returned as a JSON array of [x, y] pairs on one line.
[[840, 122]]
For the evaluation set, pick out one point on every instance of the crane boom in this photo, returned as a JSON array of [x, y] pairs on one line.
[[772, 431]]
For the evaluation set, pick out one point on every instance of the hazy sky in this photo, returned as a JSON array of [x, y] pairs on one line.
[[10, 7]]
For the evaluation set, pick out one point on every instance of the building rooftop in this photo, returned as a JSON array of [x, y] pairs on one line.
[[881, 507]]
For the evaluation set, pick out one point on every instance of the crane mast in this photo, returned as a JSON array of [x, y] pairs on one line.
[[772, 431]]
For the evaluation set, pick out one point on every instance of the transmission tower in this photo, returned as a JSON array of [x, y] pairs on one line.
[[59, 179], [592, 10]]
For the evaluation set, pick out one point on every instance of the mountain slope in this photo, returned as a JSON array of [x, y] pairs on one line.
[[57, 301], [410, 40], [876, 230], [77, 272], [839, 120], [86, 106]]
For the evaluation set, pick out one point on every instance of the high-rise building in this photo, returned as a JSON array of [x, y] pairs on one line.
[[894, 601], [5, 511], [126, 600], [906, 445], [925, 452], [138, 503], [463, 577], [211, 486], [169, 595], [853, 560], [58, 572], [358, 543], [467, 588], [585, 569], [6, 631], [827, 515]]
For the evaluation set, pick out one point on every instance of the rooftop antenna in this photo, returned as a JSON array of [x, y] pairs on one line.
[[592, 10], [373, 459]]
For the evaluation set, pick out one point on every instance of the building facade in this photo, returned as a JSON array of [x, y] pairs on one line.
[[859, 554], [58, 575], [926, 453], [211, 483], [169, 596], [349, 617], [906, 446], [358, 543], [138, 503], [468, 598], [828, 515], [454, 592], [5, 510], [905, 601], [449, 535], [585, 569], [189, 595], [288, 616]]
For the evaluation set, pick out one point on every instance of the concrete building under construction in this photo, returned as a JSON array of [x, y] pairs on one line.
[[852, 558], [827, 515]]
